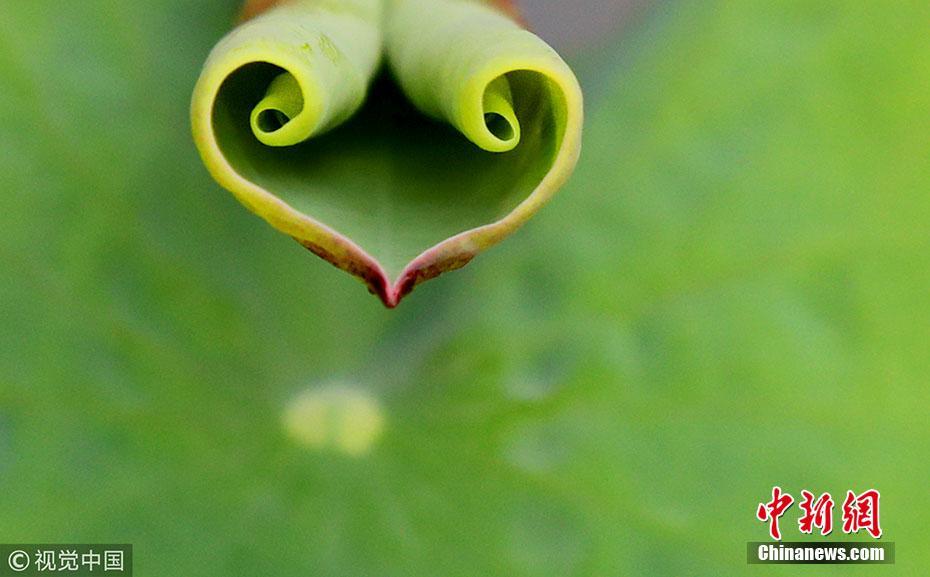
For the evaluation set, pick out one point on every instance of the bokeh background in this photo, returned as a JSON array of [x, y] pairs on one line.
[[732, 293]]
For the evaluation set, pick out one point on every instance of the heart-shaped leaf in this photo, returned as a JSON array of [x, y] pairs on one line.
[[743, 302], [395, 177]]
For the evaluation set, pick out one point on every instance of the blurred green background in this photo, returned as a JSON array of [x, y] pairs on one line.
[[732, 293]]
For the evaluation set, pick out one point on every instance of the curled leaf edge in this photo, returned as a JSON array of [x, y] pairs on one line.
[[339, 250]]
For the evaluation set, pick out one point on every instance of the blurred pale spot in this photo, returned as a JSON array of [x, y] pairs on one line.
[[545, 537], [346, 419], [542, 447]]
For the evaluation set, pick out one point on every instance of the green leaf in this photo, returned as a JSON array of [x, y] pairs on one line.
[[730, 293], [484, 128]]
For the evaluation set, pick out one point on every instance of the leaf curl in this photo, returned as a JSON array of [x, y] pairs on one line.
[[395, 173]]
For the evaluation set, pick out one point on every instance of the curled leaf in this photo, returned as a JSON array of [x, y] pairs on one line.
[[395, 177]]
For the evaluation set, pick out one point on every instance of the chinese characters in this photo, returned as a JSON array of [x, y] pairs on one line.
[[70, 560], [860, 512]]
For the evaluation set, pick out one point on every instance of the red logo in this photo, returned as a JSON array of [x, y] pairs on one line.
[[816, 514], [859, 512], [773, 510]]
